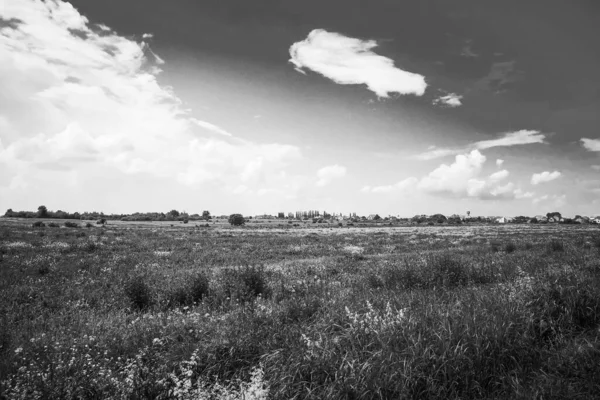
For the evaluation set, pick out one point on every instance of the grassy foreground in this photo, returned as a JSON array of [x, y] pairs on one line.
[[380, 313]]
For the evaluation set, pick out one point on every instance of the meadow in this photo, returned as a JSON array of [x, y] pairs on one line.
[[163, 310]]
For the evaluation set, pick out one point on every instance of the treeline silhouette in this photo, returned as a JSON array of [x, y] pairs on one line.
[[172, 215]]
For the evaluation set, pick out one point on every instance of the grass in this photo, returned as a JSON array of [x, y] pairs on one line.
[[154, 311]]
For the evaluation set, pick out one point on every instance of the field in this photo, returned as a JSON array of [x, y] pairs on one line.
[[162, 310]]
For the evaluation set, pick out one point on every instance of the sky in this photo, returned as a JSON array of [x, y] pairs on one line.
[[399, 107]]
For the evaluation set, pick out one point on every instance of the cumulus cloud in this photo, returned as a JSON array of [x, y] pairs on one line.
[[329, 173], [545, 176], [591, 144], [351, 61], [397, 187], [461, 179], [517, 138], [98, 105], [451, 100], [499, 162]]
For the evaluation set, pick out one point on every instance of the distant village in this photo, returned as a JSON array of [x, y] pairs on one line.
[[313, 216]]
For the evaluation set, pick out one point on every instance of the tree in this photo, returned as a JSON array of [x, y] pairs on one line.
[[9, 212], [555, 216], [237, 219], [42, 212], [174, 213], [206, 215]]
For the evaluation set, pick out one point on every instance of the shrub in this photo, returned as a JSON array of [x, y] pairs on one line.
[[179, 297], [38, 224], [448, 270], [236, 219], [53, 225], [88, 225], [139, 293], [102, 221], [510, 247], [556, 245], [255, 281], [199, 287], [70, 224]]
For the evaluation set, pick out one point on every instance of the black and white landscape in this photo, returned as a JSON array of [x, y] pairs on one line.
[[368, 199]]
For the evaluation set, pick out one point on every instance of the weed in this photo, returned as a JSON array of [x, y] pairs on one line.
[[510, 247], [556, 245], [138, 293]]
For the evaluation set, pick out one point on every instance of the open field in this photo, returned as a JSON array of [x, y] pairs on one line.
[[167, 310]]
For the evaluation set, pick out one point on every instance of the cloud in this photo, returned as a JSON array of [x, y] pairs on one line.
[[350, 61], [545, 176], [451, 100], [517, 138], [461, 179], [499, 162], [329, 173], [496, 176], [591, 144], [596, 167], [500, 77], [99, 109], [210, 127], [557, 200], [467, 51], [397, 187]]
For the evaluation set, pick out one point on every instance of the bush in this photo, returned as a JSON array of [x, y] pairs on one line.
[[38, 224], [236, 219], [102, 221], [69, 224], [179, 297], [88, 225], [199, 287], [510, 247], [556, 245], [53, 225], [255, 282], [139, 293]]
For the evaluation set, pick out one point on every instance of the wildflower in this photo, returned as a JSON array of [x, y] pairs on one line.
[[18, 350]]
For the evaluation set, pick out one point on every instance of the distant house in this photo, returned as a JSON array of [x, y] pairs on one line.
[[582, 220], [595, 220], [501, 220]]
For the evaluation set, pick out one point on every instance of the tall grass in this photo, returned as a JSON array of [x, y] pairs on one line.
[[180, 313]]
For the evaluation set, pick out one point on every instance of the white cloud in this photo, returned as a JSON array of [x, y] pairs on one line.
[[499, 162], [397, 187], [451, 100], [350, 61], [210, 127], [517, 138], [461, 179], [98, 105], [496, 176], [545, 176], [557, 200], [596, 167], [520, 194], [591, 144], [329, 173]]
